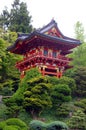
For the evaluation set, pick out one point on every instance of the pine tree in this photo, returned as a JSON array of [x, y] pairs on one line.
[[18, 19]]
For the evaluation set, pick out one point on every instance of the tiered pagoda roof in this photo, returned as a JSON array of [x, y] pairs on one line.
[[45, 48], [49, 35]]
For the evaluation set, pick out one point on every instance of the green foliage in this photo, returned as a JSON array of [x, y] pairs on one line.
[[82, 104], [78, 121], [2, 125], [79, 53], [37, 97], [8, 36], [9, 77], [57, 125], [17, 19], [11, 127], [31, 101], [13, 124], [64, 80], [3, 110], [32, 74], [23, 86], [60, 93], [80, 79], [79, 31], [37, 125], [64, 110], [79, 56], [24, 116]]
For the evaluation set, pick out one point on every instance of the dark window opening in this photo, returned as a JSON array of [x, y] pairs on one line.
[[54, 54], [45, 52], [50, 70]]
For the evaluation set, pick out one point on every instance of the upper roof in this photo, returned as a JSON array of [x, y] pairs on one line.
[[49, 35]]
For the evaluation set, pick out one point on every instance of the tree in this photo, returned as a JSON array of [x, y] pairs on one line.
[[81, 104], [80, 79], [78, 121], [70, 82], [79, 54], [18, 19], [79, 75], [37, 97], [9, 76], [60, 93], [33, 94], [79, 32], [4, 19]]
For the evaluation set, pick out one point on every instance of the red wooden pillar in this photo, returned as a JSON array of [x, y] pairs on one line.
[[43, 72], [22, 75]]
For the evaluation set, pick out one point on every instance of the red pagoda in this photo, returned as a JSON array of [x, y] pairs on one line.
[[45, 48]]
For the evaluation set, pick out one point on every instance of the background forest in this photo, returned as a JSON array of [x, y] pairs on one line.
[[39, 102]]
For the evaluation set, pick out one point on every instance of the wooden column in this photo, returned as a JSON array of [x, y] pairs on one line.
[[43, 72], [22, 75]]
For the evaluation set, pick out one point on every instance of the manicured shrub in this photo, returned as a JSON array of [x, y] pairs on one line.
[[13, 124], [82, 104], [37, 125], [57, 125], [2, 125], [65, 110], [12, 127], [77, 121], [17, 122]]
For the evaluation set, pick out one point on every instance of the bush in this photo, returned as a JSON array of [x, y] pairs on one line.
[[82, 104], [12, 127], [63, 110], [13, 124], [37, 125], [64, 80], [3, 110], [2, 125], [78, 121], [57, 125], [60, 93]]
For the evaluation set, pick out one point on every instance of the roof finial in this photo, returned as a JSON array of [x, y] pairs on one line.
[[52, 18]]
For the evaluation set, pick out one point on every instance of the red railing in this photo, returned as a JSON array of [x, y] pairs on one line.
[[39, 55]]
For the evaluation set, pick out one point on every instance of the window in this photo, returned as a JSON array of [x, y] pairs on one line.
[[54, 54], [45, 52]]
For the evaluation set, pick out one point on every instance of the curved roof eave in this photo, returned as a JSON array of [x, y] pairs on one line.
[[49, 37]]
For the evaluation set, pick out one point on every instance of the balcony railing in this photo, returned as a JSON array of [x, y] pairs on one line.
[[36, 55]]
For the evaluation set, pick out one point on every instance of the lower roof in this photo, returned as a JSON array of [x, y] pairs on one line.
[[25, 42]]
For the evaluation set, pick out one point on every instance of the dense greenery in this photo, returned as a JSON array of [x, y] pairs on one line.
[[55, 125], [9, 77], [18, 19], [78, 121], [36, 94], [13, 124]]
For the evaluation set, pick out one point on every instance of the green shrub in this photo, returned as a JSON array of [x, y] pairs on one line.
[[13, 124], [77, 121], [66, 110], [2, 125], [17, 122], [3, 110], [82, 104], [12, 127], [37, 125], [57, 125]]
